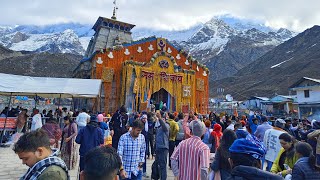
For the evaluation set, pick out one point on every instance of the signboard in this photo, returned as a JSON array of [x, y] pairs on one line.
[[11, 123]]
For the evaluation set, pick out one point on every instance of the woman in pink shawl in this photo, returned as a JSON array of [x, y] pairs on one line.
[[216, 136]]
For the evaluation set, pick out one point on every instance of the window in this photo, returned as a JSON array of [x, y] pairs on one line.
[[306, 93]]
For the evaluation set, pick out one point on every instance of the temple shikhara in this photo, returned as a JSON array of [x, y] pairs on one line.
[[139, 73]]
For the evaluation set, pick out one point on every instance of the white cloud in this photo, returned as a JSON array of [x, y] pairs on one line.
[[166, 14]]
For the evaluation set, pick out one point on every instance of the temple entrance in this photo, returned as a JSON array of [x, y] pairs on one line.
[[163, 97]]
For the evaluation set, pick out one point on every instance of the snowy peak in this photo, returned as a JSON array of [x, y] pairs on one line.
[[285, 34], [18, 37], [64, 42], [215, 28], [257, 35], [80, 29], [208, 38]]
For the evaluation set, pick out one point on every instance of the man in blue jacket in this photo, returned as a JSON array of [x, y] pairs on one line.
[[89, 137]]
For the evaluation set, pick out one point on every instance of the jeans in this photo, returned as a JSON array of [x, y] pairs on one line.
[[133, 177], [172, 144], [144, 166], [115, 141], [162, 157], [81, 165], [150, 144]]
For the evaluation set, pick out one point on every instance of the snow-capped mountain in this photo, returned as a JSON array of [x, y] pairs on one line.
[[82, 30], [64, 42], [225, 48], [204, 41], [58, 38], [216, 33], [278, 69]]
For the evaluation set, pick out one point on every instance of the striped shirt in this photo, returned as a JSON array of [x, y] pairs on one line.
[[192, 155], [132, 152]]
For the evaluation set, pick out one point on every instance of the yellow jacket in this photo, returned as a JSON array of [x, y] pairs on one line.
[[276, 167], [174, 129]]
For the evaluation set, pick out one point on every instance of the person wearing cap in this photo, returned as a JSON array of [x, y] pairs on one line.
[[118, 126], [245, 160], [89, 137], [272, 142], [190, 160], [262, 128]]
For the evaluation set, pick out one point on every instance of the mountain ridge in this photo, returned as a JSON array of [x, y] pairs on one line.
[[276, 70]]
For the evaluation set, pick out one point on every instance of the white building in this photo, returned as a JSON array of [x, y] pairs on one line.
[[256, 103], [308, 97]]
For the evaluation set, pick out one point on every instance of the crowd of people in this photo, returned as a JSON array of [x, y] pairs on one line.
[[247, 147]]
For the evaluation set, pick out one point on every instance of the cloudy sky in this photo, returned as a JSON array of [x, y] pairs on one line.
[[295, 15]]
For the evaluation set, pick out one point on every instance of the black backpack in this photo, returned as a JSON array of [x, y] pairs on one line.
[[155, 170]]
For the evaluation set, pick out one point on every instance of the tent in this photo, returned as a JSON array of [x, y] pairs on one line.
[[17, 85]]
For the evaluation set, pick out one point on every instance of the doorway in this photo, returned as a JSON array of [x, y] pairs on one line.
[[166, 98]]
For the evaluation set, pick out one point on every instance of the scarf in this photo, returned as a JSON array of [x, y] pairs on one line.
[[217, 134], [146, 126], [36, 170]]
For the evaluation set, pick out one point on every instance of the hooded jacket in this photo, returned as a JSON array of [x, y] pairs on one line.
[[89, 137], [216, 136], [251, 173]]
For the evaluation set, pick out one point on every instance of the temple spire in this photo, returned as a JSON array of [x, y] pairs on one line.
[[115, 8]]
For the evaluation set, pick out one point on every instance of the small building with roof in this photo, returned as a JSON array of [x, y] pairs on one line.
[[283, 105], [254, 102], [137, 73], [308, 97]]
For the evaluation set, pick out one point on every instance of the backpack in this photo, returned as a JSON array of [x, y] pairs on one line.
[[155, 174], [180, 135]]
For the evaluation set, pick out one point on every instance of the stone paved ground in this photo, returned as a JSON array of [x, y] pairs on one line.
[[11, 167]]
